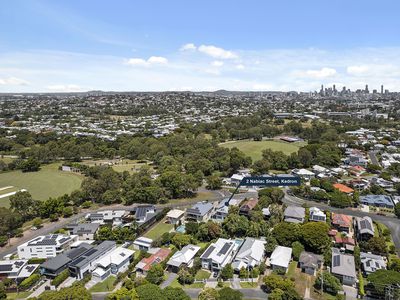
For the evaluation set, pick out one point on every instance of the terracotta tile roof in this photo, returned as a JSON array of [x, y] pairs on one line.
[[156, 258], [343, 188], [341, 220]]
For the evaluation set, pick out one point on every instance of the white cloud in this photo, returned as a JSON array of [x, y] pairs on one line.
[[217, 63], [217, 52], [152, 60], [318, 74], [65, 88], [357, 70], [13, 81], [136, 62], [188, 47], [240, 67], [262, 86]]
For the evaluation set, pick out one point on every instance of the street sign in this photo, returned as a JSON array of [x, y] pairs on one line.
[[283, 180]]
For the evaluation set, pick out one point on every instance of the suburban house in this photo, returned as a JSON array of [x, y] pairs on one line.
[[266, 212], [317, 215], [357, 160], [343, 188], [303, 173], [86, 263], [182, 258], [146, 263], [371, 262], [16, 269], [142, 243], [364, 228], [114, 262], [341, 222], [248, 206], [344, 242], [280, 258], [356, 170], [175, 216], [294, 214], [84, 231], [200, 212], [310, 263], [343, 267], [250, 254], [377, 201], [219, 254], [236, 179], [114, 217], [54, 266], [222, 209], [143, 213], [46, 246]]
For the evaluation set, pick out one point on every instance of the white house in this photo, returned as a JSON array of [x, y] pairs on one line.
[[142, 243], [182, 258], [174, 216], [317, 215], [46, 246], [219, 254], [280, 258], [303, 173], [114, 262], [250, 254]]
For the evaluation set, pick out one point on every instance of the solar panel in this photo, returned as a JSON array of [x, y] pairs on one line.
[[336, 260], [5, 268], [63, 240], [77, 261], [122, 254], [208, 251], [19, 263], [90, 252], [30, 268], [225, 248]]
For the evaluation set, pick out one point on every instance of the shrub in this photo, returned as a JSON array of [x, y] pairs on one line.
[[30, 281], [36, 260], [60, 278]]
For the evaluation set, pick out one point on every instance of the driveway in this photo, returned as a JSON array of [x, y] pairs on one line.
[[168, 281]]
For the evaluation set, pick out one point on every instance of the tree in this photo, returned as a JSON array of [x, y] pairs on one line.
[[77, 292], [395, 264], [123, 294], [275, 194], [149, 292], [214, 182], [177, 293], [227, 272], [286, 233], [185, 277], [339, 199], [314, 236], [226, 293], [30, 165], [397, 210], [270, 244], [37, 222], [22, 203], [382, 278], [376, 244], [180, 240], [155, 274], [208, 294], [3, 294], [331, 285], [274, 281], [276, 294], [297, 248]]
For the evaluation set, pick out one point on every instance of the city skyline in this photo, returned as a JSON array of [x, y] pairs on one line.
[[124, 46]]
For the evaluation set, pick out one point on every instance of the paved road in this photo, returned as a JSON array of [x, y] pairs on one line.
[[374, 159], [391, 222]]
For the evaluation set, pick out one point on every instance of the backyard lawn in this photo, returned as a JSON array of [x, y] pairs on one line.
[[254, 148], [104, 286], [20, 295], [158, 229], [48, 182], [202, 274]]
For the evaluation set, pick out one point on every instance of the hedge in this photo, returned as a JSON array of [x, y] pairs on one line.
[[30, 281], [60, 278], [36, 260]]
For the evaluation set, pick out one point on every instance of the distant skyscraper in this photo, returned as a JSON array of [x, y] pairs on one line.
[[366, 89], [382, 89]]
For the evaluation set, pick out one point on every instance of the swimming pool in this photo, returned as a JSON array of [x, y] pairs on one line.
[[181, 229]]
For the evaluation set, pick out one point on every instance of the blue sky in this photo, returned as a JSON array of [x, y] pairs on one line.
[[198, 45]]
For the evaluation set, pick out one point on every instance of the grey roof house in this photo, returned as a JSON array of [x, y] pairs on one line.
[[200, 212], [84, 231], [377, 201], [309, 262], [364, 228], [250, 254], [219, 254], [343, 267], [295, 214], [371, 262], [182, 258]]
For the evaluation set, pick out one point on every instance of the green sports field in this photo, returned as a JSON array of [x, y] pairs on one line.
[[254, 148], [48, 182]]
